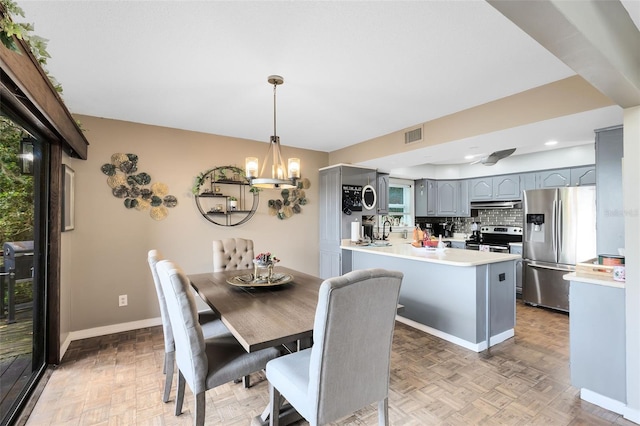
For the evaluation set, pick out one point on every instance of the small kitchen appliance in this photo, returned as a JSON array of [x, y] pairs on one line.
[[475, 232]]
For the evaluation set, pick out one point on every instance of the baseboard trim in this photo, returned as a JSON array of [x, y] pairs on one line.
[[105, 330], [603, 401], [476, 347], [632, 415]]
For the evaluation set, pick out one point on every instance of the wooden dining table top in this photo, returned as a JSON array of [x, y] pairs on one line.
[[262, 317]]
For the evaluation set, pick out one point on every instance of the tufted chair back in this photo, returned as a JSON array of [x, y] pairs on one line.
[[232, 253]]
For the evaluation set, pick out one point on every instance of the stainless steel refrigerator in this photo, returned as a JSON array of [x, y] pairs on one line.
[[559, 231]]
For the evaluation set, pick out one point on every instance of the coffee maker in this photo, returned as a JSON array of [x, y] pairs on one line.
[[475, 232], [444, 228]]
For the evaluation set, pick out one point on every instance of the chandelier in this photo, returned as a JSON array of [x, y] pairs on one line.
[[278, 176]]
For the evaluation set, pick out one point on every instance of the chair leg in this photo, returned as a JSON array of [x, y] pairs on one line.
[[275, 402], [246, 381], [383, 412], [180, 393], [169, 362], [199, 409]]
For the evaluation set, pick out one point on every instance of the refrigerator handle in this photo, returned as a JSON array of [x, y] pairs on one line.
[[559, 233], [554, 229]]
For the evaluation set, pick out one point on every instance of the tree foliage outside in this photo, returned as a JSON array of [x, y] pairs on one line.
[[16, 189]]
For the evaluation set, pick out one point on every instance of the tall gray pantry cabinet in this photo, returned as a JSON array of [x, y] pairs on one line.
[[334, 224]]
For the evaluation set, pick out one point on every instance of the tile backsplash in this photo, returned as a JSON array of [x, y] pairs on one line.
[[507, 217]]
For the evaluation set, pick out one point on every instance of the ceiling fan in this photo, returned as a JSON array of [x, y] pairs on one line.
[[494, 157]]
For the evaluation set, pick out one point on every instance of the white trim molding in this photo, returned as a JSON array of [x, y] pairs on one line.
[[108, 329], [476, 347]]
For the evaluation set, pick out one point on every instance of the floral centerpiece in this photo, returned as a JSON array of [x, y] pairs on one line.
[[264, 260]]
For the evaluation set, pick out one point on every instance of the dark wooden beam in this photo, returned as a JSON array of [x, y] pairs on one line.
[[26, 87]]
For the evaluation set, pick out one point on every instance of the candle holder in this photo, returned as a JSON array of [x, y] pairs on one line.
[[260, 263]]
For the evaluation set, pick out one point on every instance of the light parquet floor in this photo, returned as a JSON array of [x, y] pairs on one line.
[[117, 380]]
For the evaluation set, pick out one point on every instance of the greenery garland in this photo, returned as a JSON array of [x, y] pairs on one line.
[[23, 31], [219, 175]]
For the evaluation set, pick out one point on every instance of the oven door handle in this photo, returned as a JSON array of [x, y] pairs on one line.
[[499, 247]]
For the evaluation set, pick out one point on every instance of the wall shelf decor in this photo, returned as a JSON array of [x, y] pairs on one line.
[[224, 196]]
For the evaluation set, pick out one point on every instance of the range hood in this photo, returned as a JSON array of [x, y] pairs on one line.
[[515, 204]]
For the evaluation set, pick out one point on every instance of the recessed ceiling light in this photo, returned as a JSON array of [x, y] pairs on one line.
[[550, 143], [469, 157]]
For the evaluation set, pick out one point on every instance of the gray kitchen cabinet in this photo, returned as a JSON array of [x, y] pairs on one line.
[[581, 176], [527, 181], [464, 205], [481, 189], [448, 193], [597, 342], [383, 193], [458, 244], [506, 187], [553, 178], [425, 197], [610, 214], [330, 204], [335, 225]]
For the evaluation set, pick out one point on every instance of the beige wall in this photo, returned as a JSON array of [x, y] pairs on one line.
[[564, 97], [105, 256]]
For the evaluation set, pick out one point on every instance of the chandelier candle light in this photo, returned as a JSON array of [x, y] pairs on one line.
[[278, 169]]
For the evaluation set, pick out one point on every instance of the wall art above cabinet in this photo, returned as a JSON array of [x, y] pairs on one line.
[[224, 197]]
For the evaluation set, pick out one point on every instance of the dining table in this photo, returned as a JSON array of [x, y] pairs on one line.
[[263, 315]]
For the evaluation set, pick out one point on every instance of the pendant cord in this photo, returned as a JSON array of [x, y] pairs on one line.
[[275, 137]]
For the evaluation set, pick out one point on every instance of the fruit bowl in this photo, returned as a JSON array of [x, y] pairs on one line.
[[431, 243]]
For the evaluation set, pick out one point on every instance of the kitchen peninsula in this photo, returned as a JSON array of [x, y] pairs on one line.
[[461, 296]]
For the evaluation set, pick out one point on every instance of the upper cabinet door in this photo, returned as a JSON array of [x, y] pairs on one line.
[[447, 198], [425, 198], [553, 178], [581, 176], [481, 189], [464, 207], [383, 193], [506, 187]]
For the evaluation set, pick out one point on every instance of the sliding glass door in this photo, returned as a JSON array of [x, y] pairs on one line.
[[24, 177]]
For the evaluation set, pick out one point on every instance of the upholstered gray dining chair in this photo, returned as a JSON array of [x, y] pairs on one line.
[[210, 322], [347, 368], [203, 364], [232, 254]]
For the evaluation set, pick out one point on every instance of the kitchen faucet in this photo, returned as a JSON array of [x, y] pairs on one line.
[[384, 225]]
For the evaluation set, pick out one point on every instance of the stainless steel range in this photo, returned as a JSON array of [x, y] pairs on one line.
[[496, 238]]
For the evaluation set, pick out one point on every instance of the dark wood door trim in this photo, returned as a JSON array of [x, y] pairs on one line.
[[54, 255]]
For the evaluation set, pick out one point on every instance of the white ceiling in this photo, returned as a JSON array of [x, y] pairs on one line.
[[353, 70]]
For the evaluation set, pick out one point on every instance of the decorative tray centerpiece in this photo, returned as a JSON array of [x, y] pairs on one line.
[[263, 274]]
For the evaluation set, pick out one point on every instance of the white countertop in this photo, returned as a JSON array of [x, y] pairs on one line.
[[450, 256], [593, 279]]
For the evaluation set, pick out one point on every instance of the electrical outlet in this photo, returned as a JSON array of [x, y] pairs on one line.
[[122, 300]]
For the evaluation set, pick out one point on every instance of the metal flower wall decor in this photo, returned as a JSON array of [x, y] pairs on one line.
[[136, 188], [291, 202]]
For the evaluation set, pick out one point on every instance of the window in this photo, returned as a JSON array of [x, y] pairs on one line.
[[400, 202]]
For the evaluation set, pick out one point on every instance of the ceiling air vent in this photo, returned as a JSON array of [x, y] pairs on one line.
[[413, 135]]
